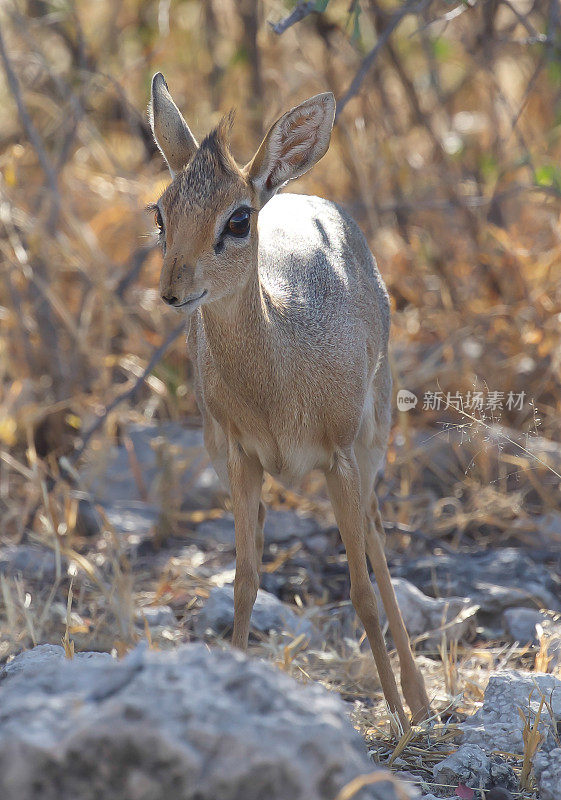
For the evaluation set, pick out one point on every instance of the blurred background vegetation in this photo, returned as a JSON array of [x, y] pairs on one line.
[[446, 149]]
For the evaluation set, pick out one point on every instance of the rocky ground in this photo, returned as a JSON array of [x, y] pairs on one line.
[[149, 577]]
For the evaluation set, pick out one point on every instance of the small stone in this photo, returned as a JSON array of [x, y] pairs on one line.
[[34, 563], [520, 624], [547, 768], [111, 481], [497, 725], [498, 793], [423, 614], [286, 526], [156, 616], [40, 658], [269, 614], [318, 543], [502, 775], [88, 519], [281, 527], [469, 764], [494, 580], [134, 519], [472, 766]]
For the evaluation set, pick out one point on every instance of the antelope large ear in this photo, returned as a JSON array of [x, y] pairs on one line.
[[293, 145], [171, 132]]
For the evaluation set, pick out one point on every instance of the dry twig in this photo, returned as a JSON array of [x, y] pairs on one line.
[[410, 7], [299, 13]]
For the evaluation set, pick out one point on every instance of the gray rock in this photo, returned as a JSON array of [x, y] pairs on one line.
[[497, 725], [281, 527], [493, 580], [42, 658], [89, 521], [469, 764], [547, 769], [197, 482], [34, 563], [269, 614], [520, 624], [156, 616], [134, 519], [193, 724], [317, 543], [502, 777], [549, 527], [217, 531], [472, 766], [423, 614], [287, 526], [498, 793]]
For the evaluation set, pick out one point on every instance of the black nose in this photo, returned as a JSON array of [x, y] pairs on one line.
[[171, 301]]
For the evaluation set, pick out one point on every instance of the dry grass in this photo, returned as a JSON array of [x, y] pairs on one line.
[[448, 158]]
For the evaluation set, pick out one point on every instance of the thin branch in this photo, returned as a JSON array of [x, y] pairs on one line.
[[410, 7], [157, 355], [137, 262], [31, 131], [449, 16], [301, 11], [532, 32]]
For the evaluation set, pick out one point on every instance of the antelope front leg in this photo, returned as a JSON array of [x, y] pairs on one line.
[[343, 483], [245, 475]]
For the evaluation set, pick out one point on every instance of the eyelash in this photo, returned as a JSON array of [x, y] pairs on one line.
[[159, 222]]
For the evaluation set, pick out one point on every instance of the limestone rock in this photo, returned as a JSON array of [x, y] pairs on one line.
[[269, 614], [498, 725], [423, 614], [188, 724], [547, 769]]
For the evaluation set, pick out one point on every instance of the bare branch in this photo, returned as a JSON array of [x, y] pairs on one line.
[[301, 11], [409, 7], [465, 5], [532, 32], [31, 132]]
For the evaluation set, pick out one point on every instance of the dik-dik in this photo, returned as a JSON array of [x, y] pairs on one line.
[[289, 326]]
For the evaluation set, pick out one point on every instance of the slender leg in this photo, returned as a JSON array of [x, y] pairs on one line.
[[412, 681], [259, 535], [343, 483], [245, 476]]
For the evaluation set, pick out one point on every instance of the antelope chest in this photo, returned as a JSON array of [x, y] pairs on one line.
[[287, 440]]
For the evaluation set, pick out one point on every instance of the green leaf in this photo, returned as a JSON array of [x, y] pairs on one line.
[[488, 166], [356, 25], [442, 48], [548, 175], [554, 71]]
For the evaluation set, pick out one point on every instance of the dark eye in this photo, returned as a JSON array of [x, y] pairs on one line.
[[158, 220], [238, 224]]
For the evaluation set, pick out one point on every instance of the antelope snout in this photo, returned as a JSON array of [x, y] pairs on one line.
[[189, 301], [175, 281]]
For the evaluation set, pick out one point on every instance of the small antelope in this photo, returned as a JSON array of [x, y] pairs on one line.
[[289, 328]]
